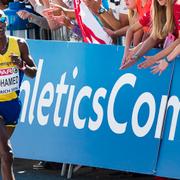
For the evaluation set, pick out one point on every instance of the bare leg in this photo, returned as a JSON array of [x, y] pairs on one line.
[[6, 152]]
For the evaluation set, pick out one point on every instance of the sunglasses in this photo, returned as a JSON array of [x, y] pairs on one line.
[[3, 19]]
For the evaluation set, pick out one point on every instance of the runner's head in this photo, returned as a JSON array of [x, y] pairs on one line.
[[3, 23]]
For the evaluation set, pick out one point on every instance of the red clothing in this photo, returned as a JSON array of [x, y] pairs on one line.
[[176, 11], [145, 21], [142, 10], [144, 14]]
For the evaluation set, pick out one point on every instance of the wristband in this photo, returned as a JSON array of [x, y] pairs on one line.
[[101, 10], [166, 59], [135, 56]]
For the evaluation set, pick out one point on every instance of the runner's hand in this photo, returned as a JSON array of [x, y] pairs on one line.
[[16, 60]]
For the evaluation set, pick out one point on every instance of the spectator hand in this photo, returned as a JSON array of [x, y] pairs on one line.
[[50, 19], [128, 63], [63, 20], [53, 10], [123, 61], [47, 13], [24, 14], [130, 53], [57, 9], [147, 63], [110, 32], [125, 57], [160, 67]]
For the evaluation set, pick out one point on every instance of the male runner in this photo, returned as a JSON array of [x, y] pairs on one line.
[[15, 61]]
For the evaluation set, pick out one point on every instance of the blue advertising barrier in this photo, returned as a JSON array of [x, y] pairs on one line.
[[169, 159], [82, 109]]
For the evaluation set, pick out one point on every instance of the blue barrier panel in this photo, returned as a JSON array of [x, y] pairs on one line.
[[169, 159], [82, 109]]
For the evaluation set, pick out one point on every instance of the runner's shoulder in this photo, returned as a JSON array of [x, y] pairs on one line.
[[18, 39]]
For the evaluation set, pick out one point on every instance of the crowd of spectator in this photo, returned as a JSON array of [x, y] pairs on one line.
[[143, 24]]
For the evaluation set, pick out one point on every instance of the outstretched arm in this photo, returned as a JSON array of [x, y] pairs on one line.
[[147, 45], [174, 53], [129, 37], [163, 64], [117, 33], [61, 3], [32, 18], [150, 60], [106, 17], [113, 22], [56, 10]]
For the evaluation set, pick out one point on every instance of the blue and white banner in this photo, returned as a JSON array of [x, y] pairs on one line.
[[169, 159], [82, 109]]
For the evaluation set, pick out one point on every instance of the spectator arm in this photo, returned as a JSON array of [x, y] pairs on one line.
[[38, 20]]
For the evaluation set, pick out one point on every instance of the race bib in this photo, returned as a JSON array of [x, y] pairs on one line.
[[9, 80]]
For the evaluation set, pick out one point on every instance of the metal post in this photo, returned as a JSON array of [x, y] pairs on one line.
[[63, 170], [70, 171]]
